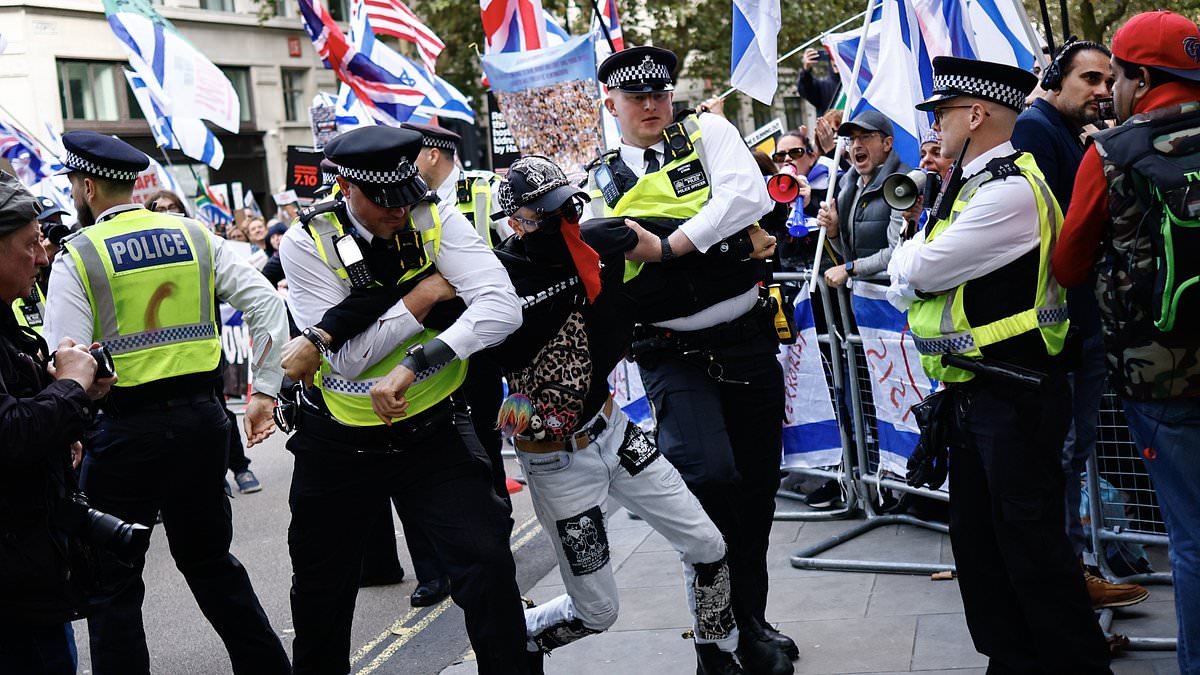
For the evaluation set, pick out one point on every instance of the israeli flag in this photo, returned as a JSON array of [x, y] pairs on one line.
[[897, 380], [810, 429], [755, 50], [188, 135], [625, 383]]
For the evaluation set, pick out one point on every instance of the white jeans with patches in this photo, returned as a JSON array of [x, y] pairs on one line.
[[570, 491]]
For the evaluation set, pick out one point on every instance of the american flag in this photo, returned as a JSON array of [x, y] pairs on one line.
[[22, 152], [393, 17], [608, 13], [512, 25]]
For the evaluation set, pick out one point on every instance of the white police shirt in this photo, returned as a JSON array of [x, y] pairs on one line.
[[999, 224], [738, 199], [68, 313], [493, 308]]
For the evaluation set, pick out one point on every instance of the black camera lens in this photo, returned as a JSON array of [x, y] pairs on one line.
[[104, 362], [127, 541], [55, 232]]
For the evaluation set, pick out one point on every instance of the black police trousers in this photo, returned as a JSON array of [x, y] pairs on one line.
[[1026, 602], [439, 479], [171, 457], [726, 438]]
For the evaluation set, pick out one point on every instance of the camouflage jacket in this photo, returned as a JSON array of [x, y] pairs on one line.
[[1144, 363]]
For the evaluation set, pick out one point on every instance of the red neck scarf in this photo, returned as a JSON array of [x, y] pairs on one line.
[[587, 261]]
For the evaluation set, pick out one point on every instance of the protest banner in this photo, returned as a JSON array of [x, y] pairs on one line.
[[504, 149], [304, 172], [810, 429]]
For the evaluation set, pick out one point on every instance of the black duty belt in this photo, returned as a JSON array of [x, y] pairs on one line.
[[748, 326], [397, 438]]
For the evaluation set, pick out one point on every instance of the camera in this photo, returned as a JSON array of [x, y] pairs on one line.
[[104, 531], [104, 362], [55, 232], [1107, 108]]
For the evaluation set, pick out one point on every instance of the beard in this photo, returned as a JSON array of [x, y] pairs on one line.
[[84, 213], [1085, 113]]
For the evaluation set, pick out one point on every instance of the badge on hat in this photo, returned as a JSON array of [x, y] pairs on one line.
[[639, 70], [380, 161]]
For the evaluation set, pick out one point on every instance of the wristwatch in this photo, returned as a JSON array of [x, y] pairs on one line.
[[314, 337], [850, 267], [417, 354], [667, 253]]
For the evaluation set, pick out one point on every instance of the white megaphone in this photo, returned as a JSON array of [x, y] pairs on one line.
[[901, 190]]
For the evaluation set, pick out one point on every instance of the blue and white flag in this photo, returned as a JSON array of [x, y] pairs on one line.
[[752, 67], [810, 430], [181, 132], [625, 383], [897, 380]]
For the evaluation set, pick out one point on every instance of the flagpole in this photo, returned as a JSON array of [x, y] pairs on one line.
[[1038, 55], [603, 27], [840, 148], [796, 50]]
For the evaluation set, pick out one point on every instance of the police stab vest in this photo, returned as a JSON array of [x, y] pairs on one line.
[[31, 311], [349, 398], [663, 201], [149, 280], [473, 196], [940, 325]]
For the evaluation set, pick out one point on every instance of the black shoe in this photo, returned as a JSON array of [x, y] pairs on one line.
[[825, 496], [710, 660], [430, 592], [760, 655], [785, 643], [388, 579]]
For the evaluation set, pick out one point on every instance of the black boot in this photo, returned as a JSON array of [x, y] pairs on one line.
[[785, 643], [759, 654], [710, 660]]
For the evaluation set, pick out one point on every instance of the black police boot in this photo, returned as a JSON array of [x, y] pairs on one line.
[[759, 654], [430, 592], [710, 660], [785, 643]]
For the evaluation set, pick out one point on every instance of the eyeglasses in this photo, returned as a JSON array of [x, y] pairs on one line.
[[938, 113], [550, 220], [862, 138], [794, 153]]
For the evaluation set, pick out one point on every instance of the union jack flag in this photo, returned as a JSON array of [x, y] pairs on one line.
[[22, 152], [393, 17], [608, 13], [512, 25]]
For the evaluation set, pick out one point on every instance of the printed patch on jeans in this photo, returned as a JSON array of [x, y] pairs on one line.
[[637, 450], [584, 541], [687, 178], [562, 633], [714, 609]]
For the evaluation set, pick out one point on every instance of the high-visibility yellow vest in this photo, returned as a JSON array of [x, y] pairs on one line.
[[940, 325], [676, 191], [473, 196], [349, 399], [31, 311], [149, 280]]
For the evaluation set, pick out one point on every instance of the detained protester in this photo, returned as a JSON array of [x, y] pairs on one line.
[[1078, 79], [704, 342], [46, 404], [146, 284], [384, 419], [1130, 213], [982, 299]]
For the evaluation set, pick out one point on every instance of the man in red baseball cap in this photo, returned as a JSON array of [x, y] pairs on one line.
[[1132, 208]]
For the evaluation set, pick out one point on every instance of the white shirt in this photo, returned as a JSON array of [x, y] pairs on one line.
[[447, 193], [68, 313], [738, 198], [493, 309], [999, 224]]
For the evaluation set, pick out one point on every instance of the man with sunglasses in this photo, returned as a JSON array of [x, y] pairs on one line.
[[979, 281], [859, 222], [384, 231]]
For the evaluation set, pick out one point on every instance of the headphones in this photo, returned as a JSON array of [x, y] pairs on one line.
[[1052, 77]]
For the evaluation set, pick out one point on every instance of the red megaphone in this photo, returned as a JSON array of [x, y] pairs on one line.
[[784, 187]]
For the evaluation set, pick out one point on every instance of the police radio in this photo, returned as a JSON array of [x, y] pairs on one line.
[[352, 260]]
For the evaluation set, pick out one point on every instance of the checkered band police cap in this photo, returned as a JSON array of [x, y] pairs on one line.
[[997, 82], [639, 69], [382, 162], [433, 136], [102, 156], [404, 170]]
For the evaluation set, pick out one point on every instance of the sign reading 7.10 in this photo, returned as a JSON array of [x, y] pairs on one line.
[[304, 171]]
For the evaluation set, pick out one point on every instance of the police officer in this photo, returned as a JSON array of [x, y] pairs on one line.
[[146, 286], [705, 344], [474, 191], [381, 421], [980, 275]]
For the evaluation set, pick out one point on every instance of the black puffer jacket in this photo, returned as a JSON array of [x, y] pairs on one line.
[[39, 419]]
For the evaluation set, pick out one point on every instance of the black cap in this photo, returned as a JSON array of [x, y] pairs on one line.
[[868, 120], [380, 161], [48, 208], [996, 82], [104, 156], [433, 136], [535, 182], [639, 70]]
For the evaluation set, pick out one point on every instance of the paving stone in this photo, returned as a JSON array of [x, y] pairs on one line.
[[843, 646], [836, 597], [655, 568], [943, 642], [902, 594], [654, 608]]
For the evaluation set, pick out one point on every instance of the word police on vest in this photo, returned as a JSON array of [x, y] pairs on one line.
[[148, 248]]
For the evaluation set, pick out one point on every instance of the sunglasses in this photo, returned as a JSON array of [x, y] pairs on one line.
[[939, 113], [794, 153]]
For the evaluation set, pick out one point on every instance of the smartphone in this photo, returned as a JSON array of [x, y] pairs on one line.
[[823, 55], [1108, 109]]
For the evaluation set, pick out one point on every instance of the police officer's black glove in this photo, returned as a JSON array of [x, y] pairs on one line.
[[929, 462]]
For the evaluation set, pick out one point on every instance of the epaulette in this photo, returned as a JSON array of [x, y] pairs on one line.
[[320, 208], [683, 114], [1003, 167]]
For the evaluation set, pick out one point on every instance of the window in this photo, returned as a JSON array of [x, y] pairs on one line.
[[240, 79], [283, 8], [217, 5], [90, 90], [339, 10], [294, 109], [762, 113], [793, 111]]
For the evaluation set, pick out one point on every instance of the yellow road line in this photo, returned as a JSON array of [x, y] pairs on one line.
[[397, 627], [406, 634]]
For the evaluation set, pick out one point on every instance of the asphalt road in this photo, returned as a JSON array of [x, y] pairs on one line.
[[389, 637]]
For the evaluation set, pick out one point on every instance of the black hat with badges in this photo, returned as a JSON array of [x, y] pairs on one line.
[[380, 162], [433, 136], [639, 70], [996, 82], [535, 182], [102, 156]]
